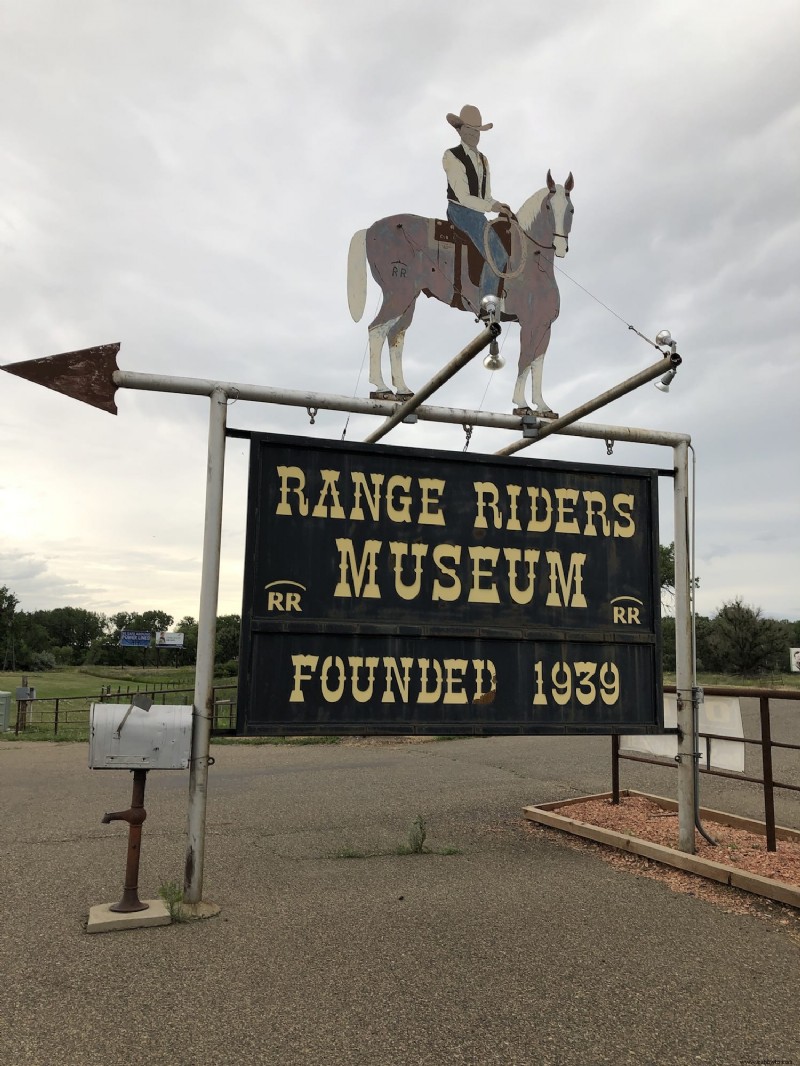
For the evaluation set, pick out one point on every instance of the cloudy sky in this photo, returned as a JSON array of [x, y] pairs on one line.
[[185, 179]]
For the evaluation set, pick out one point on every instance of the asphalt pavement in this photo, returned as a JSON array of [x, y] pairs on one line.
[[515, 949]]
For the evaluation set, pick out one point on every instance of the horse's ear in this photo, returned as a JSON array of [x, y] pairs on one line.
[[569, 184], [551, 185]]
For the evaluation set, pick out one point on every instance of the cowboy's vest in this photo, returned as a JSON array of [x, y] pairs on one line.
[[472, 174]]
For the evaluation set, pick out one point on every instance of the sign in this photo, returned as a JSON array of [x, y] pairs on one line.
[[169, 640], [134, 638], [720, 715], [391, 590]]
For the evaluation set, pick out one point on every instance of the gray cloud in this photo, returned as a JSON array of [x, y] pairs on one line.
[[189, 186]]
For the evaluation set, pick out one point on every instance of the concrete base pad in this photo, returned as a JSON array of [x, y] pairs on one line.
[[103, 920]]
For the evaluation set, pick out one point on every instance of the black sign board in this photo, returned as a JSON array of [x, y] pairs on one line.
[[394, 590]]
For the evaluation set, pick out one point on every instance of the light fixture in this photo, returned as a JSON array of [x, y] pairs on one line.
[[490, 308], [490, 311], [494, 360], [664, 340], [664, 383]]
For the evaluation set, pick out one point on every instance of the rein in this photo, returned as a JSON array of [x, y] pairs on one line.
[[547, 247]]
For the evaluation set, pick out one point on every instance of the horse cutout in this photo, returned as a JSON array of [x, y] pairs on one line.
[[408, 254]]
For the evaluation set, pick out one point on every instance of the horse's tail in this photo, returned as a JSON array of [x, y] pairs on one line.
[[357, 274]]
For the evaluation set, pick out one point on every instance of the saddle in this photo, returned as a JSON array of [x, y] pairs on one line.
[[465, 252]]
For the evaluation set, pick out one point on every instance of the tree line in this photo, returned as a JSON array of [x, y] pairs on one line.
[[738, 639], [71, 636]]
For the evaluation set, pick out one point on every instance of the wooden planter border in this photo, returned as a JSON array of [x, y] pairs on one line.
[[780, 891]]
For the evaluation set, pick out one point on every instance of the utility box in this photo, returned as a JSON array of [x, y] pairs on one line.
[[5, 712], [25, 693], [127, 737]]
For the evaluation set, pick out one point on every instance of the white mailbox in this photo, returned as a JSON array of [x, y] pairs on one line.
[[127, 737]]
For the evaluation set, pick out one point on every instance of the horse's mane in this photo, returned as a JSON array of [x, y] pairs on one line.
[[527, 214]]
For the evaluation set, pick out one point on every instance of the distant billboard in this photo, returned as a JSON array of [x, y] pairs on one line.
[[134, 638], [169, 640], [794, 660]]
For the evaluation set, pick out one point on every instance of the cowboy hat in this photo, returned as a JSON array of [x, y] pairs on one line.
[[469, 116]]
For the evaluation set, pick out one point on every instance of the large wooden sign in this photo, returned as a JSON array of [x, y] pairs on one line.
[[390, 590]]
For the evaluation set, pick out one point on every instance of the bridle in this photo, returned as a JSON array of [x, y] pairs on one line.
[[546, 247]]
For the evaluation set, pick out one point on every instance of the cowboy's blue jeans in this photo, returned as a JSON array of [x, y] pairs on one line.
[[473, 223]]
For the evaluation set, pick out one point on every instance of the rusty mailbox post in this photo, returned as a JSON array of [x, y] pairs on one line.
[[138, 739]]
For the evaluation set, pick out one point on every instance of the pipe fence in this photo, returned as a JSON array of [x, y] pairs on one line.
[[67, 717], [764, 741]]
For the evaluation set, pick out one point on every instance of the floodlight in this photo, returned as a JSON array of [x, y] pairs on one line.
[[494, 360], [490, 306], [664, 383]]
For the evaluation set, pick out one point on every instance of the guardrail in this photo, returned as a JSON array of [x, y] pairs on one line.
[[62, 715], [765, 742]]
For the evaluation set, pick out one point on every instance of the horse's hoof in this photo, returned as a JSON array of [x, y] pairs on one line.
[[381, 394], [403, 396]]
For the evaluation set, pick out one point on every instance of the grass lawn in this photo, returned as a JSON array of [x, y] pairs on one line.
[[90, 680]]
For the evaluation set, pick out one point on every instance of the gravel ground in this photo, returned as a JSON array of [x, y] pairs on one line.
[[517, 950]]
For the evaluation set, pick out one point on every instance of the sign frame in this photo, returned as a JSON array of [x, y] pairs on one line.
[[357, 636]]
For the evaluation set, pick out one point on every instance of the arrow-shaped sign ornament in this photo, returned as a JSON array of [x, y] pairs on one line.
[[86, 375]]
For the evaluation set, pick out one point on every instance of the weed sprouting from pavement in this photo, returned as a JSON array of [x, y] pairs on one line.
[[416, 836], [414, 844], [172, 895]]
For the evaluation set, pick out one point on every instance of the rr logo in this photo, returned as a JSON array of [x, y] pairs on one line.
[[280, 599], [624, 612]]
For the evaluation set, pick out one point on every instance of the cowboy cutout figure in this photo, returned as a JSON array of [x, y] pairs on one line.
[[463, 259], [469, 194]]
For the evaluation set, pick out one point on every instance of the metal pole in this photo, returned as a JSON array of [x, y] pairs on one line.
[[656, 370], [203, 709], [766, 764], [134, 816], [615, 768], [456, 363], [684, 679], [131, 379]]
